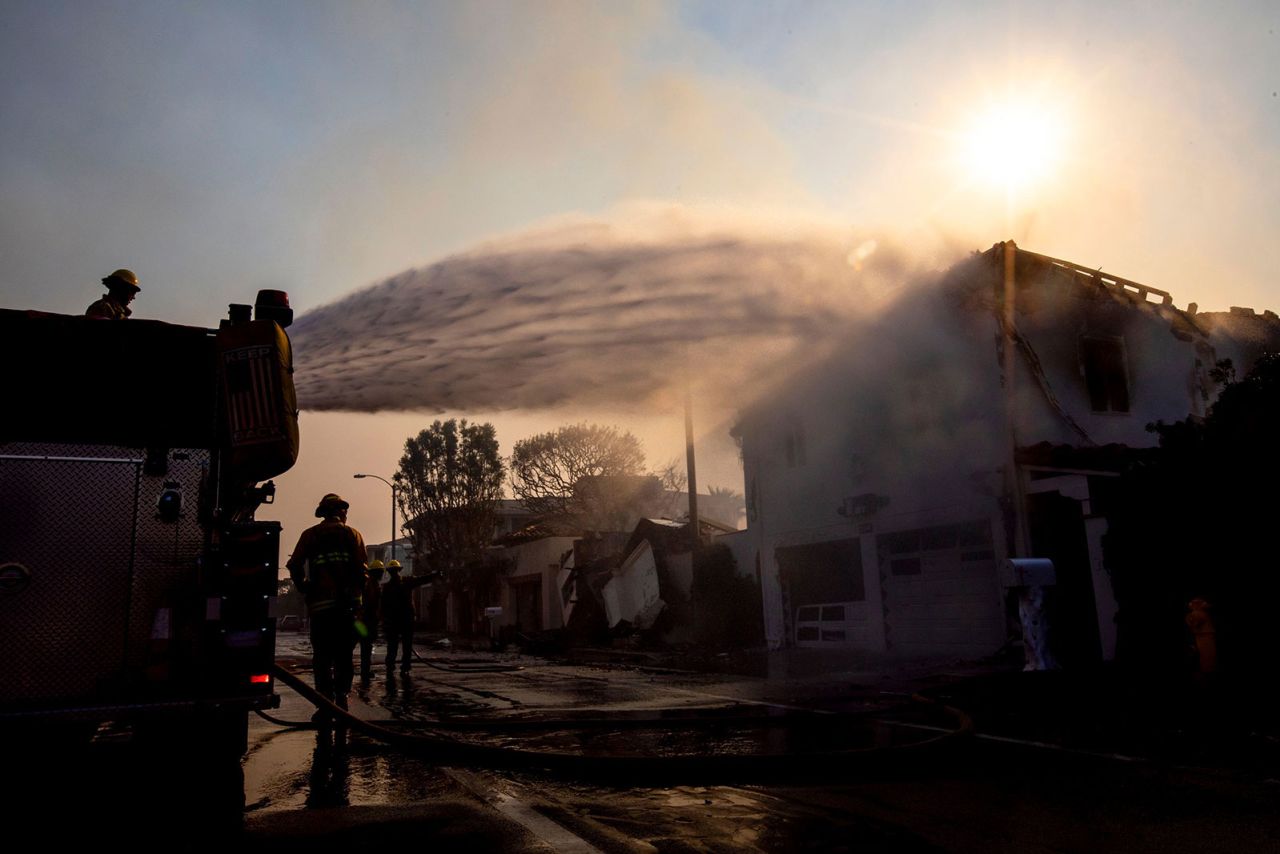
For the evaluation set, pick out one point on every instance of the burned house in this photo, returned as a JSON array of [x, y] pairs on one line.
[[542, 573], [641, 583], [978, 418], [528, 589]]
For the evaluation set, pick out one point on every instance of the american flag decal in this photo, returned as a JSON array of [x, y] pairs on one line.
[[253, 394]]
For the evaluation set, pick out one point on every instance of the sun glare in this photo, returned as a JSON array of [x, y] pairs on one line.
[[1014, 145]]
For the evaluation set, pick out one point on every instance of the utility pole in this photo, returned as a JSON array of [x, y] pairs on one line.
[[1021, 545], [694, 538]]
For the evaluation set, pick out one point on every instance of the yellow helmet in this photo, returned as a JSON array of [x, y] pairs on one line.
[[393, 565], [124, 277], [375, 564]]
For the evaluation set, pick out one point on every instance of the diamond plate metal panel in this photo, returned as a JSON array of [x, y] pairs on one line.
[[82, 522], [66, 515], [166, 554]]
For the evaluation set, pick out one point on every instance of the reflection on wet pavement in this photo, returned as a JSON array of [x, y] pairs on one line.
[[694, 714]]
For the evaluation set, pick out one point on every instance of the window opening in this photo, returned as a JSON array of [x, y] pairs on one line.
[[1105, 374]]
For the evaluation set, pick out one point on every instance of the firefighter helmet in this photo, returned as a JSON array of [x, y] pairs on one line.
[[122, 277], [375, 564], [393, 565], [331, 504]]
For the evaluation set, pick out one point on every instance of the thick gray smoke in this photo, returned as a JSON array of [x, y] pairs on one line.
[[599, 313]]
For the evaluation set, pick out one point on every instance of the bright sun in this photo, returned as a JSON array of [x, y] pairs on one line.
[[1014, 145]]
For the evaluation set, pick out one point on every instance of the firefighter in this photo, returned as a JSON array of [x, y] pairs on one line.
[[328, 566], [122, 287], [1204, 635], [369, 616], [397, 615]]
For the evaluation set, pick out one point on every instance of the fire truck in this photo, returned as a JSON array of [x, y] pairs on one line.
[[137, 589]]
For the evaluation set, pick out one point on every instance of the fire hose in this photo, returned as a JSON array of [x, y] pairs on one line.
[[440, 749], [470, 668]]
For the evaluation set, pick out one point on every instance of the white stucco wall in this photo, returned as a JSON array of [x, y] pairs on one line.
[[913, 411], [540, 558]]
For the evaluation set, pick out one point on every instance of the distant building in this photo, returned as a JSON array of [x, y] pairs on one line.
[[879, 500], [383, 552], [510, 517], [536, 558]]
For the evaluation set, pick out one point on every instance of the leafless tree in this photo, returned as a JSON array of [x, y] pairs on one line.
[[674, 482], [584, 477]]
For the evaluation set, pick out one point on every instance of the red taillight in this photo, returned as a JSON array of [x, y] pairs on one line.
[[260, 679]]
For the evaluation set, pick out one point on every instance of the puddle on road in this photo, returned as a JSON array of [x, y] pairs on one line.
[[728, 728], [288, 769], [297, 769]]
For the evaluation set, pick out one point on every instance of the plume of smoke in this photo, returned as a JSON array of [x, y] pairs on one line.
[[612, 311]]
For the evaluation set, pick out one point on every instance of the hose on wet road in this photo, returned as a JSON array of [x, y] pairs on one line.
[[466, 668], [441, 749]]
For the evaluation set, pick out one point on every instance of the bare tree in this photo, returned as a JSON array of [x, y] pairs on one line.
[[674, 481], [448, 486], [582, 476], [673, 476]]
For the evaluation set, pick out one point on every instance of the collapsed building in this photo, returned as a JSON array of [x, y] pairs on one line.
[[594, 584], [981, 418]]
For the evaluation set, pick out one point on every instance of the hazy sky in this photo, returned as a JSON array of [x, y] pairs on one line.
[[217, 148]]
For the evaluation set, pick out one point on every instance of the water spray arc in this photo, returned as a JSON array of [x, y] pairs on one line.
[[600, 315]]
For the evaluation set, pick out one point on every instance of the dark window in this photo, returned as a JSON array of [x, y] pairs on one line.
[[905, 566], [833, 634], [937, 539], [904, 549], [833, 612], [1105, 374], [900, 542], [808, 614], [975, 534], [822, 572]]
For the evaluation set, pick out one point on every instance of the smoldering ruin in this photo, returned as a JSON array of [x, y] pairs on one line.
[[882, 406]]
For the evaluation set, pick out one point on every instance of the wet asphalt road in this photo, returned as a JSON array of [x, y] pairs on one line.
[[304, 792], [985, 795]]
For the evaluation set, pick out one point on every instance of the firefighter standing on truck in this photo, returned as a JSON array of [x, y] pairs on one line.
[[122, 287], [333, 555]]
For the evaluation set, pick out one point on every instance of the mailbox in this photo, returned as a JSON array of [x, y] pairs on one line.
[[1029, 572]]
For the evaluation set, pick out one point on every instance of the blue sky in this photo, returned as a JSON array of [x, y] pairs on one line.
[[319, 147], [217, 148]]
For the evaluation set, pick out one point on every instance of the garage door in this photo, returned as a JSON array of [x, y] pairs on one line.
[[825, 588], [941, 592]]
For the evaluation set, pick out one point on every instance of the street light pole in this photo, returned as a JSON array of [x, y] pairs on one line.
[[393, 509]]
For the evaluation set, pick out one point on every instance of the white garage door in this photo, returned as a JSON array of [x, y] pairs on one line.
[[941, 594]]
